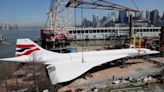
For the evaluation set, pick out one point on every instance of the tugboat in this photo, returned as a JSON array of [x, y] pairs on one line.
[[2, 39]]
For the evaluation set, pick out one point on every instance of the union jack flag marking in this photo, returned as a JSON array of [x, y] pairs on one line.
[[22, 49]]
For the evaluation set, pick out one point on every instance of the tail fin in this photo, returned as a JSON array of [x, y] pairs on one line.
[[26, 47]]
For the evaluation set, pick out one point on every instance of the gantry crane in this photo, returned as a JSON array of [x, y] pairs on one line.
[[98, 4], [51, 15], [101, 5], [56, 22]]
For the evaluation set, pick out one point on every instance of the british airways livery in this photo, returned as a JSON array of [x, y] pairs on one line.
[[64, 67], [25, 49]]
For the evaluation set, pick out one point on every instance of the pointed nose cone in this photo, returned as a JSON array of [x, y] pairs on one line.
[[154, 52]]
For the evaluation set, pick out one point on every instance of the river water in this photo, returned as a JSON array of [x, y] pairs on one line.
[[8, 49]]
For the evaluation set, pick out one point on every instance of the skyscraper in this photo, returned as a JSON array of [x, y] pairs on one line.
[[113, 16], [137, 15], [97, 21], [142, 15], [94, 21], [163, 16], [154, 16], [147, 15], [122, 17]]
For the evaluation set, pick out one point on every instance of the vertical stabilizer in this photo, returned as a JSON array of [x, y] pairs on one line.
[[26, 47]]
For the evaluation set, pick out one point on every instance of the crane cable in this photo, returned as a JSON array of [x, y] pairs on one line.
[[136, 6], [82, 33], [75, 21], [140, 42]]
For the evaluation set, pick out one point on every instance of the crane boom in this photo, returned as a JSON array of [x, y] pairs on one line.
[[52, 5], [98, 4]]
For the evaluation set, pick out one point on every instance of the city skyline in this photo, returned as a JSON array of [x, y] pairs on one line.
[[34, 12], [147, 18]]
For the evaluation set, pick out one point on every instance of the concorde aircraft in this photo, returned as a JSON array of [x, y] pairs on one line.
[[66, 67]]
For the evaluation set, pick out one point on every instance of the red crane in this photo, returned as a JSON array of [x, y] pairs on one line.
[[52, 32]]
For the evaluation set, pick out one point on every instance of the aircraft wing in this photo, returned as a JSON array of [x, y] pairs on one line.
[[64, 72]]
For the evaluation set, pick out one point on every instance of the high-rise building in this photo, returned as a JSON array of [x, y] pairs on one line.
[[97, 21], [122, 17], [113, 16], [86, 23], [108, 16], [147, 15], [154, 16], [104, 19], [97, 18], [163, 16], [137, 16], [94, 21], [141, 15]]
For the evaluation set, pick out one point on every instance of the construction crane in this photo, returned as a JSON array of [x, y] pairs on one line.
[[97, 4], [102, 5], [51, 15], [57, 22], [59, 15]]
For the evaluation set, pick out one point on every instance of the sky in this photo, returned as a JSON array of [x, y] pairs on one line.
[[34, 12]]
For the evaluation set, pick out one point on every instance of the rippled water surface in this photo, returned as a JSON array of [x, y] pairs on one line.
[[8, 49]]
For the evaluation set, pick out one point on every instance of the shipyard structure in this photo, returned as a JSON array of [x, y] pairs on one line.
[[108, 32]]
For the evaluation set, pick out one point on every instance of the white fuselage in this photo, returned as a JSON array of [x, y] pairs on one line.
[[90, 55], [49, 57]]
